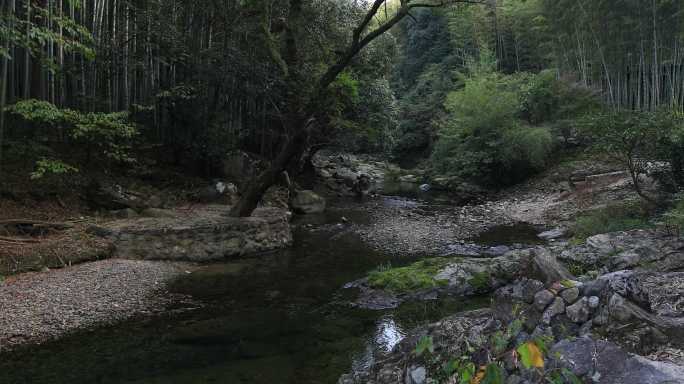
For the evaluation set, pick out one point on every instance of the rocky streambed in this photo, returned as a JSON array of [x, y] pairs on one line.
[[337, 306], [608, 325], [278, 318]]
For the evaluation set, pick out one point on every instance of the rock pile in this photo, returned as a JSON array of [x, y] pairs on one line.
[[568, 316], [349, 175]]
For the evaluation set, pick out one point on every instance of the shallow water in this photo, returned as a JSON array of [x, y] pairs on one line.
[[280, 318]]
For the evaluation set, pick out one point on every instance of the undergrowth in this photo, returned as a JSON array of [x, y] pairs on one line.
[[613, 218]]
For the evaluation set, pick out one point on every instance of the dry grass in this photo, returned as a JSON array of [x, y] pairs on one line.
[[54, 250]]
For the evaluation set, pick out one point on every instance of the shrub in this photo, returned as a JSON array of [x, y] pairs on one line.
[[613, 218], [106, 137], [635, 138], [483, 139]]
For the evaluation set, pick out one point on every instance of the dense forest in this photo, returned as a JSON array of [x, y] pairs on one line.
[[199, 80]]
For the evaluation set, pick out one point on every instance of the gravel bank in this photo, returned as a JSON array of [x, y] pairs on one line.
[[36, 307], [408, 227]]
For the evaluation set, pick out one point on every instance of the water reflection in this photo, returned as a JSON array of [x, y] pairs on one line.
[[388, 333]]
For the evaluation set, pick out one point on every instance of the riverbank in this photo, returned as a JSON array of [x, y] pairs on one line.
[[43, 306], [430, 223], [295, 292]]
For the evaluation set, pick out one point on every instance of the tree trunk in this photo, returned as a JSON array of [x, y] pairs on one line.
[[252, 195]]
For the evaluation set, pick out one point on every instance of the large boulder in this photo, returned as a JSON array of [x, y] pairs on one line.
[[206, 234], [647, 249], [307, 201], [469, 276], [607, 363]]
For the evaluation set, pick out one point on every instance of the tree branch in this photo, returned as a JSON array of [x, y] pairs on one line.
[[359, 43]]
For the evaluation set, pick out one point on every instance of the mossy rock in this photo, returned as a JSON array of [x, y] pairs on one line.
[[415, 277], [481, 281]]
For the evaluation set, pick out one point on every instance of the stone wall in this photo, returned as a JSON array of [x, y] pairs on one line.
[[200, 235]]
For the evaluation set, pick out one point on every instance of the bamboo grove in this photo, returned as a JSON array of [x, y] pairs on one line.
[[200, 78], [631, 50]]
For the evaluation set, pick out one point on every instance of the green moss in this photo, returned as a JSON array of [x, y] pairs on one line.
[[480, 281], [674, 217], [414, 277], [577, 268], [613, 218]]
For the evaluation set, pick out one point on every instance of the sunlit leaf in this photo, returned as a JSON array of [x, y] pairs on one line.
[[530, 355]]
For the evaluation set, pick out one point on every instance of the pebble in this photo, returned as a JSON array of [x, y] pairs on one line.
[[37, 307], [594, 302]]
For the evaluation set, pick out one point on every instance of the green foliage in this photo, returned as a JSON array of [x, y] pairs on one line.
[[549, 99], [46, 167], [105, 136], [110, 133], [494, 374], [417, 276], [33, 36], [617, 217], [367, 115], [480, 281], [529, 355], [347, 87], [425, 344], [37, 112], [575, 267], [636, 138], [483, 138], [625, 135]]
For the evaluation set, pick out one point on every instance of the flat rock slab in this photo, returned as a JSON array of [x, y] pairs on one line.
[[646, 249], [597, 358], [201, 235]]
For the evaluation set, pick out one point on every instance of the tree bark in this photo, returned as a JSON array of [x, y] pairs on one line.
[[252, 195]]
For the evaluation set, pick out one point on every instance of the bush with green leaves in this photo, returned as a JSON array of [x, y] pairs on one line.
[[483, 139], [105, 137], [637, 138], [363, 114], [46, 167]]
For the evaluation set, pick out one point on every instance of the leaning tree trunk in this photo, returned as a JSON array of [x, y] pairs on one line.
[[257, 188]]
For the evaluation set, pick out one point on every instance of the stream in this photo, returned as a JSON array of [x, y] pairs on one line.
[[280, 318]]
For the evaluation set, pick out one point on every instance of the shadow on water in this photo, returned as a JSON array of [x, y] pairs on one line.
[[280, 318], [518, 233]]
